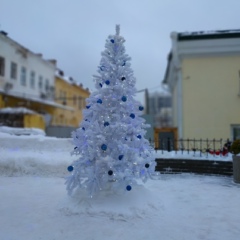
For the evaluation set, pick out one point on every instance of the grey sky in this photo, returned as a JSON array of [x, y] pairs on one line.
[[74, 31]]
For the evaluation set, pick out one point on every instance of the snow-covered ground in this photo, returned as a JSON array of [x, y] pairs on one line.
[[34, 203]]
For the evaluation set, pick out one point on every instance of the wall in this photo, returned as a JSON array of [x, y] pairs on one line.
[[64, 117], [14, 52], [34, 121], [210, 96]]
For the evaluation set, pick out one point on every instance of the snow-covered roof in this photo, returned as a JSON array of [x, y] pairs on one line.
[[17, 110], [5, 36], [60, 74], [39, 100], [235, 33]]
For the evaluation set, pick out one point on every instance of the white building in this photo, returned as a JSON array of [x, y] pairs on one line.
[[24, 73]]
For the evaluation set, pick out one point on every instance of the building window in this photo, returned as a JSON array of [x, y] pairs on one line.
[[23, 76], [47, 84], [2, 66], [40, 82], [13, 70], [80, 103], [235, 132], [32, 79], [74, 100]]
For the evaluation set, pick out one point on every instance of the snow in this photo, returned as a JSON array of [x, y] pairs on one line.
[[17, 110], [20, 131], [192, 155], [34, 203]]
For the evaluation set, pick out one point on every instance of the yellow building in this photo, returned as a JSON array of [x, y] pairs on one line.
[[71, 94], [203, 74]]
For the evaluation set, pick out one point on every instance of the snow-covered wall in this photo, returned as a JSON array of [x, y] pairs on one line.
[[34, 155]]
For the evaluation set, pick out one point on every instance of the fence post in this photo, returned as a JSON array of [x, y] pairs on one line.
[[168, 145], [200, 147]]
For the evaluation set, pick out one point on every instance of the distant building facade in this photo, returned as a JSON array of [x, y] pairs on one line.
[[203, 75], [23, 72], [29, 81], [160, 107], [72, 94]]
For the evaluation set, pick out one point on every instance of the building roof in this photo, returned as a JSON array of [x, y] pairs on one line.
[[50, 62], [38, 100], [182, 37], [201, 35], [60, 74]]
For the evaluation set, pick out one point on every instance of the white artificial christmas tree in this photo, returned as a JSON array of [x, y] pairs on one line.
[[113, 152]]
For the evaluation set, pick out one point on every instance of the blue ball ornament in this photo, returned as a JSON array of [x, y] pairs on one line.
[[147, 165], [83, 128], [129, 188], [110, 172], [120, 157], [124, 98], [123, 78], [139, 136], [132, 115], [88, 106], [124, 63], [100, 84], [99, 101], [70, 168], [141, 108], [104, 147], [106, 124], [112, 40], [107, 82]]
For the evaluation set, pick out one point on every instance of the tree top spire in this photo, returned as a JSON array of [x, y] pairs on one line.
[[117, 29]]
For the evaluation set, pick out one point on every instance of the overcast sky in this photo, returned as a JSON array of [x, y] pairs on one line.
[[74, 31]]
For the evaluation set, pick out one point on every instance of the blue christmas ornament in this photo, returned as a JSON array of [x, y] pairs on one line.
[[132, 115], [147, 165], [75, 148], [107, 82], [104, 147], [110, 172], [129, 188], [112, 40], [139, 136], [123, 78], [70, 168], [100, 84], [99, 101], [83, 128], [124, 63], [106, 124], [88, 106], [141, 108], [124, 98], [120, 157], [101, 68]]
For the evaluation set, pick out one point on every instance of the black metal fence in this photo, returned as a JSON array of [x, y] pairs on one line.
[[208, 146]]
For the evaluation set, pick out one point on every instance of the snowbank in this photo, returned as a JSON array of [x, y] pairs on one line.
[[34, 155]]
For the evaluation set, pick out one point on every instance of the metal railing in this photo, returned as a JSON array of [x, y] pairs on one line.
[[208, 146]]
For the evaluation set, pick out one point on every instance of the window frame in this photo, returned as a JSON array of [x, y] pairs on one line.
[[2, 66], [32, 79], [40, 82], [23, 77], [13, 70]]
